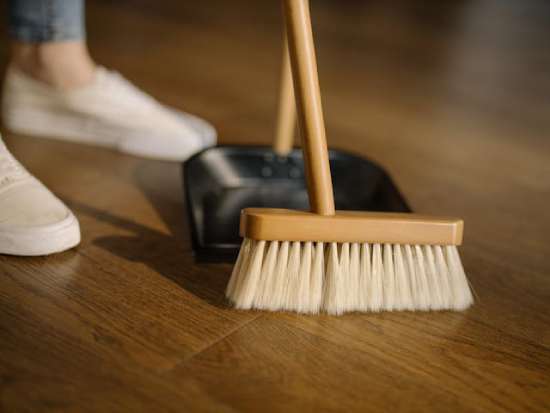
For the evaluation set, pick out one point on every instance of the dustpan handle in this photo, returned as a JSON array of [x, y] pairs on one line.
[[308, 104], [286, 117]]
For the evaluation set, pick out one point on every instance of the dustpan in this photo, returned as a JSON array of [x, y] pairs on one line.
[[219, 182]]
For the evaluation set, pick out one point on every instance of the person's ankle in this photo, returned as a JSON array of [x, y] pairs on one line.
[[63, 65]]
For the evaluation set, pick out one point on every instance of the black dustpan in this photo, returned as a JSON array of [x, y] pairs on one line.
[[219, 182]]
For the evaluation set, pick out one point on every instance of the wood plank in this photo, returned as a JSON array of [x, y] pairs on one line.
[[381, 362]]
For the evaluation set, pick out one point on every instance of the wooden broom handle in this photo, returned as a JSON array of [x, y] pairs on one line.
[[286, 118], [308, 103]]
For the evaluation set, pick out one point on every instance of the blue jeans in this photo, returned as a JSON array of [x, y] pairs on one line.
[[36, 21]]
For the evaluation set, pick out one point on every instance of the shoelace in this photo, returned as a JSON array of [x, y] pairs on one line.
[[10, 169]]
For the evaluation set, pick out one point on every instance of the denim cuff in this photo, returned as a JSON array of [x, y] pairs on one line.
[[36, 21]]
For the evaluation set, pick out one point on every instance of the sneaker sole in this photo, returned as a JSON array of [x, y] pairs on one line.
[[57, 126], [71, 128]]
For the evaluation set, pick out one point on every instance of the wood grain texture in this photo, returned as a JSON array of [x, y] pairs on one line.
[[451, 97]]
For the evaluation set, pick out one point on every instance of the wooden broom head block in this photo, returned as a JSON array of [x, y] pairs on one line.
[[350, 226]]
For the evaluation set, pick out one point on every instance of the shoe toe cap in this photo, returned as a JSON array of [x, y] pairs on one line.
[[204, 130], [184, 137], [31, 205], [34, 222]]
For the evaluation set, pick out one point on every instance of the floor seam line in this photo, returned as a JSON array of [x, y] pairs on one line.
[[209, 345]]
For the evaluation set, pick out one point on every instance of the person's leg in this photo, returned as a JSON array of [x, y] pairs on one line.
[[54, 89], [49, 41], [48, 45]]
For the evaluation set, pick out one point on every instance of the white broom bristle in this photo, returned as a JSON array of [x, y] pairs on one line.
[[306, 277]]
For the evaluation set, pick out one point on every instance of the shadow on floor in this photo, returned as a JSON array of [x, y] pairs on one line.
[[169, 255]]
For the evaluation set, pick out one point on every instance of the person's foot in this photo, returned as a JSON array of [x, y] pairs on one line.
[[32, 220], [109, 111]]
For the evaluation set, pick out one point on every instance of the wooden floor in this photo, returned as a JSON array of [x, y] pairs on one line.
[[452, 97]]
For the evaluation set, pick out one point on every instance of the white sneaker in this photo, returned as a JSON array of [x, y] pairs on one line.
[[32, 220], [109, 112]]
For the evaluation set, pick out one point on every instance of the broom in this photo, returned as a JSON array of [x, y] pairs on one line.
[[340, 261]]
